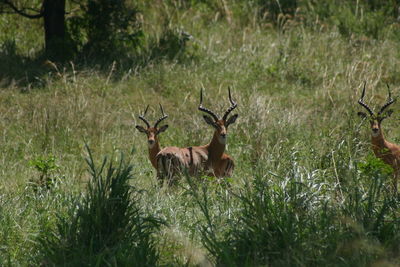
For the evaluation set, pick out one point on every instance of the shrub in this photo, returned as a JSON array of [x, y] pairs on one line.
[[272, 9], [362, 18], [46, 166], [107, 28], [296, 222], [106, 226], [172, 45]]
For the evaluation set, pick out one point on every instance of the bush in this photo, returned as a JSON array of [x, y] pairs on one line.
[[107, 28], [296, 222], [172, 45], [272, 9], [360, 18], [46, 166], [105, 227]]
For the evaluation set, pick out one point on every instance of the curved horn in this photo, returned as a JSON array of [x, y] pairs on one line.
[[164, 116], [206, 110], [361, 101], [389, 101], [232, 107], [143, 119]]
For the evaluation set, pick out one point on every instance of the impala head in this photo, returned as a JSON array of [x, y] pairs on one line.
[[376, 119], [220, 124], [152, 132]]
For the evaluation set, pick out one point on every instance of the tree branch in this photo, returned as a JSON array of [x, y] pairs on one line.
[[21, 11]]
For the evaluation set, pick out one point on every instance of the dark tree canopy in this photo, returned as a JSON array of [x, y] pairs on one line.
[[100, 26]]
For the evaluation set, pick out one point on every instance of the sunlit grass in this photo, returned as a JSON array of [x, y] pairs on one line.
[[297, 137]]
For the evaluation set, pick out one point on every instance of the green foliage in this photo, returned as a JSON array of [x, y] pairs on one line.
[[271, 227], [46, 166], [295, 223], [372, 211], [106, 226], [355, 18], [106, 28], [112, 25], [375, 167], [272, 9], [370, 24], [304, 190], [370, 219], [172, 45]]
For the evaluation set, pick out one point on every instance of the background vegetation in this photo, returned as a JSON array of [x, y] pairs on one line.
[[306, 190]]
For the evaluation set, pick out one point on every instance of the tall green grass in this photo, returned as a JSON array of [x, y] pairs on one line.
[[306, 188], [298, 222], [105, 226]]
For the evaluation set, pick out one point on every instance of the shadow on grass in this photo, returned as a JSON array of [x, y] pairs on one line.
[[28, 72], [20, 70]]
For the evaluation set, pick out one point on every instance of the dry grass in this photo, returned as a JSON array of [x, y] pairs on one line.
[[297, 96]]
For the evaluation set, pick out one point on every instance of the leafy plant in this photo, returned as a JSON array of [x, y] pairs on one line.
[[107, 28], [46, 166], [373, 166]]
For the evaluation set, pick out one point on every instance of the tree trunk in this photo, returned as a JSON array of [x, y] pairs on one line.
[[54, 25]]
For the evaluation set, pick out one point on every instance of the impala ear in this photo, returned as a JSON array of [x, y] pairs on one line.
[[141, 129], [232, 119], [209, 120], [388, 113], [162, 129], [362, 114]]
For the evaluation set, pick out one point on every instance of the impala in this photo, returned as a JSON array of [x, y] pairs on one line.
[[220, 163], [152, 134], [388, 152], [209, 158]]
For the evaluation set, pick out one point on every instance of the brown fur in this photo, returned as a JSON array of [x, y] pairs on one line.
[[388, 152], [210, 158], [152, 135], [154, 151]]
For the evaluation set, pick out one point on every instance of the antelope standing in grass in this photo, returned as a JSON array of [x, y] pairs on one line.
[[209, 158], [388, 152], [219, 162], [152, 134]]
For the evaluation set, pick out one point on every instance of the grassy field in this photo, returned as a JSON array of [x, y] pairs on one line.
[[306, 191]]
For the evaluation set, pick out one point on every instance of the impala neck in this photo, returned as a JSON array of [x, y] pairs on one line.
[[153, 153], [378, 142], [215, 148]]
